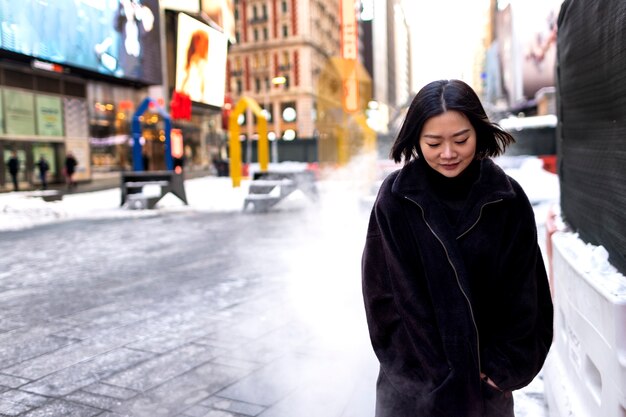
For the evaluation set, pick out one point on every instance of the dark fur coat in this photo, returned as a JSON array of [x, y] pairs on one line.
[[445, 303]]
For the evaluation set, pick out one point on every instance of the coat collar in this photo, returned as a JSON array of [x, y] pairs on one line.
[[493, 185]]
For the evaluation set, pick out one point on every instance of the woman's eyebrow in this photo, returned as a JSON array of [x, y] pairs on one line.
[[433, 136]]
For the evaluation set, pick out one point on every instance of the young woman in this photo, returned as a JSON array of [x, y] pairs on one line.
[[456, 293]]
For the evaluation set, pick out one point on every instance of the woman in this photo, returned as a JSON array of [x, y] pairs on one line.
[[456, 293], [193, 83]]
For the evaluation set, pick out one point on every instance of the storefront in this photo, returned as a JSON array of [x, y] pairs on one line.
[[41, 115]]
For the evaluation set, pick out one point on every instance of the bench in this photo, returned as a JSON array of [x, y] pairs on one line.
[[144, 189], [47, 195], [269, 188]]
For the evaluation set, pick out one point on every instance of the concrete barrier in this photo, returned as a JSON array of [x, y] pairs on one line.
[[585, 374]]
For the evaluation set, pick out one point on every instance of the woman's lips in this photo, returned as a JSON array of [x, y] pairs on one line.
[[450, 167]]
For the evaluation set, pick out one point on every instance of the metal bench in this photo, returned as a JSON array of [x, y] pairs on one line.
[[144, 189], [269, 188]]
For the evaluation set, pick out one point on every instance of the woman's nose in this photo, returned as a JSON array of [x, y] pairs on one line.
[[447, 152]]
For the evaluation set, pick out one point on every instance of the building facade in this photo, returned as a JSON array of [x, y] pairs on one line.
[[282, 47]]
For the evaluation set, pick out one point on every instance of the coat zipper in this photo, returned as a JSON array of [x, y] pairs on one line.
[[478, 219], [458, 282]]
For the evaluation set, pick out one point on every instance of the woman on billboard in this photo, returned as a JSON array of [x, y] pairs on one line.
[[196, 66]]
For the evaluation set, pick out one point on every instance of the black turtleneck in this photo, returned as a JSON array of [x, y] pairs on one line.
[[453, 192]]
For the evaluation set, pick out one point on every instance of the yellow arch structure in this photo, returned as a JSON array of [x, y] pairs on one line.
[[234, 143]]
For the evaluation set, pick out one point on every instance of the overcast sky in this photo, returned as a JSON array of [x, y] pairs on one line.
[[444, 37]]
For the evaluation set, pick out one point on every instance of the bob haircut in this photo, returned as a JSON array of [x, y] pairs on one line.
[[436, 98]]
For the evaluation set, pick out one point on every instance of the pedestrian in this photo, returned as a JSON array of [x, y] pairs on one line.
[[43, 167], [13, 164], [145, 159], [70, 169], [456, 293]]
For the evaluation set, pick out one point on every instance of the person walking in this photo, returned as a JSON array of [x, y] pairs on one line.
[[456, 293], [13, 165], [70, 169], [43, 167]]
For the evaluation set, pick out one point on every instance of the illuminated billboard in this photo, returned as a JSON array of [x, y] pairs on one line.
[[200, 61], [222, 13], [117, 38]]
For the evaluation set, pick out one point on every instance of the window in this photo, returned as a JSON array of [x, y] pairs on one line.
[[284, 6], [257, 84], [239, 87], [264, 11], [285, 31], [256, 34], [288, 112], [254, 12], [265, 34], [255, 61], [237, 37]]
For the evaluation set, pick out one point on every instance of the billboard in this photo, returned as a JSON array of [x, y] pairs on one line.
[[117, 38], [222, 13], [526, 33], [200, 61]]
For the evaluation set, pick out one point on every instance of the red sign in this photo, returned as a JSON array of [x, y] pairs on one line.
[[176, 137]]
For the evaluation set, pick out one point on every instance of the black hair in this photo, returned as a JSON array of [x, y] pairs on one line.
[[436, 98]]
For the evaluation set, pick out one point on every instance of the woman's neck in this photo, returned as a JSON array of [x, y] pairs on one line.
[[453, 188]]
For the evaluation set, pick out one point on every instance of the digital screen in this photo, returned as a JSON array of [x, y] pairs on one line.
[[118, 38], [200, 61], [222, 13]]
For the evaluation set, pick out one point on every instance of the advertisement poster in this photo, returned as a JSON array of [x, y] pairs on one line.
[[19, 111], [200, 61], [118, 38], [222, 12], [49, 115], [526, 32]]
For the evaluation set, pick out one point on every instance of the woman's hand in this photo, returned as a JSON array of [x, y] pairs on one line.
[[489, 381]]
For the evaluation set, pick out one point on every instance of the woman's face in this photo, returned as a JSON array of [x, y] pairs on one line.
[[448, 143]]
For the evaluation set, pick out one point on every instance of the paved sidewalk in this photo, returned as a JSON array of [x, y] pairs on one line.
[[186, 314]]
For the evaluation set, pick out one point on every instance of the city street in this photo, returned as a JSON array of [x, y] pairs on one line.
[[185, 313], [188, 312]]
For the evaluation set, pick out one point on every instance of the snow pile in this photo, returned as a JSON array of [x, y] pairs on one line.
[[593, 262]]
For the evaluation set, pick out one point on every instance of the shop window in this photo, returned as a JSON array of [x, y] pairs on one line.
[[48, 85], [18, 79], [74, 89], [288, 112]]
